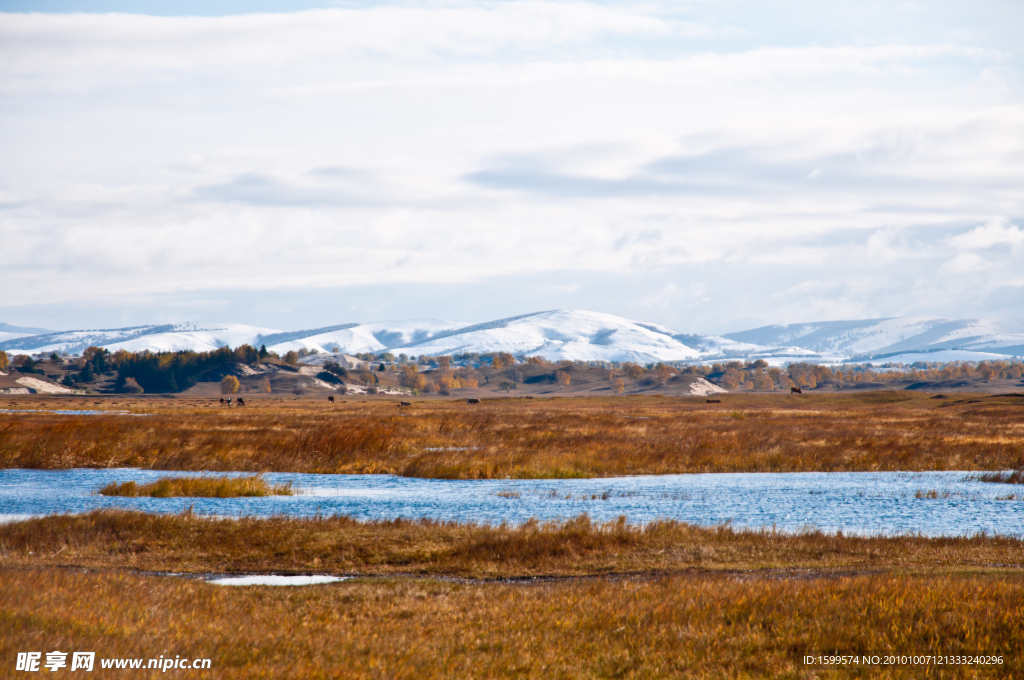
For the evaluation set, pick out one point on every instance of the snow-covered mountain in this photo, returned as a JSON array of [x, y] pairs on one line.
[[74, 342], [369, 337], [900, 335], [565, 334], [198, 339], [576, 335], [9, 332]]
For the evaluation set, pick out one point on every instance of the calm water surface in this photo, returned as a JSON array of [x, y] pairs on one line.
[[857, 502]]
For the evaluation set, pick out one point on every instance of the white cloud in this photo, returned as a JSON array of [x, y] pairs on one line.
[[964, 263], [997, 231], [460, 142]]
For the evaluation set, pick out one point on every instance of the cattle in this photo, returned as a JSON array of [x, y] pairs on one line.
[[714, 401], [795, 390], [331, 398], [472, 400], [222, 400], [404, 403], [241, 402]]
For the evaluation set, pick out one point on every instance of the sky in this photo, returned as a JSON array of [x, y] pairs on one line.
[[708, 165]]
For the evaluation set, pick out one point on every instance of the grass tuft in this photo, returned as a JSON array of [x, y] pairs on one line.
[[199, 487], [1015, 477]]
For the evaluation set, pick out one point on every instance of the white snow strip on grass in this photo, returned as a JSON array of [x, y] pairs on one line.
[[272, 580]]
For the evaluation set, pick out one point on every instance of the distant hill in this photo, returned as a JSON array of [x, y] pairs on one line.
[[876, 338], [575, 335], [9, 332], [25, 330]]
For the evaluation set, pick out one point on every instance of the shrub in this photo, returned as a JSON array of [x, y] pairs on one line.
[[132, 387], [335, 368], [229, 385], [562, 378]]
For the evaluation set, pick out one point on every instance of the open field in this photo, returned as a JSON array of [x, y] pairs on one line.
[[195, 487], [440, 600], [579, 547], [526, 438], [706, 626], [569, 600]]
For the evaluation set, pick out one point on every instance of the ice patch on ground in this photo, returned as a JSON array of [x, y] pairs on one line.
[[275, 580], [8, 518]]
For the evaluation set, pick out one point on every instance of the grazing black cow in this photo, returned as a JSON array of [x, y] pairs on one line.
[[795, 390], [331, 399], [404, 403], [222, 400], [472, 400], [714, 401], [241, 402]]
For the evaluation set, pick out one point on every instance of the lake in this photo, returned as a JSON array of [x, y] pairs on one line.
[[852, 502]]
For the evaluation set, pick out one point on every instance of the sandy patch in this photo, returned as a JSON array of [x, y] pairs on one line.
[[43, 386], [702, 388]]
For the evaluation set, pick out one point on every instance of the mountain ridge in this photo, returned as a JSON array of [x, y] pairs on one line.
[[578, 335]]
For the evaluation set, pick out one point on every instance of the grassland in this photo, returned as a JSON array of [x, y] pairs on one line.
[[199, 487], [437, 600], [524, 438], [719, 626], [117, 539], [568, 600]]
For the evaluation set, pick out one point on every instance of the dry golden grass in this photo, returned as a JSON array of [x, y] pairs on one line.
[[186, 542], [521, 438], [199, 487], [717, 626], [1015, 477]]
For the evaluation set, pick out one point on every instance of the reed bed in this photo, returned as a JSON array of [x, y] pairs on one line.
[[717, 626], [199, 487], [531, 438], [188, 542], [1014, 477]]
